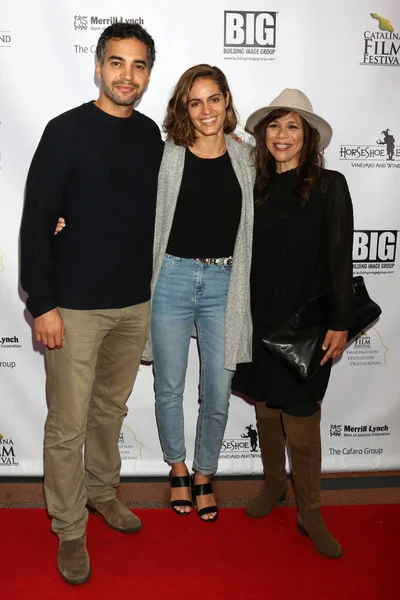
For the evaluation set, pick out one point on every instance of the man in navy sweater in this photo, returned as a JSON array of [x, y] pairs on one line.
[[89, 287]]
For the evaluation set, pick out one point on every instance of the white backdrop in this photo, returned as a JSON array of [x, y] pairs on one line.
[[346, 61]]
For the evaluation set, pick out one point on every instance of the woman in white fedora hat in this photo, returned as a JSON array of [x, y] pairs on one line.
[[303, 235]]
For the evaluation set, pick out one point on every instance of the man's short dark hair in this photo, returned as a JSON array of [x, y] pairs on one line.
[[123, 31]]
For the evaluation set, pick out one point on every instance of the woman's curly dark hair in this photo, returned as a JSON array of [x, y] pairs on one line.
[[311, 159], [177, 124]]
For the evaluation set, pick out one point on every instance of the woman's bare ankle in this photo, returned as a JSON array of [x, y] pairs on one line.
[[179, 469]]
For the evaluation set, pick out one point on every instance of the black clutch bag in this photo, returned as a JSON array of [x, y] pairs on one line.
[[298, 343]]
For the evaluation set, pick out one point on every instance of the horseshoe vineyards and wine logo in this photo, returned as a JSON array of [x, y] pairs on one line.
[[382, 154], [244, 446]]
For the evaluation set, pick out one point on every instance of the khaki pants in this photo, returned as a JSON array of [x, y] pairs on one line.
[[89, 381]]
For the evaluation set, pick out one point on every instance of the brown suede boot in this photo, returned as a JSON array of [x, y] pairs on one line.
[[116, 515], [272, 445], [304, 438], [73, 561]]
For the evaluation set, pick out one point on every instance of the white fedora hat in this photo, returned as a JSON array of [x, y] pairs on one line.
[[296, 101]]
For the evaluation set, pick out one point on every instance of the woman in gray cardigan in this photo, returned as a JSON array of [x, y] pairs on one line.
[[202, 256]]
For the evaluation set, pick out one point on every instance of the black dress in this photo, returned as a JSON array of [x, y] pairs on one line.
[[299, 251]]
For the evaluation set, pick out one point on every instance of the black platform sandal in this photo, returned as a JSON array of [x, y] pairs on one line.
[[182, 481], [202, 489]]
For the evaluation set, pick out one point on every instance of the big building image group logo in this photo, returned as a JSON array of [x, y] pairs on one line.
[[249, 35], [7, 452], [374, 252], [381, 43], [244, 446], [382, 154]]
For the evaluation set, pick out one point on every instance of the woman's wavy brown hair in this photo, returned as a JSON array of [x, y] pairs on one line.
[[177, 124], [311, 159]]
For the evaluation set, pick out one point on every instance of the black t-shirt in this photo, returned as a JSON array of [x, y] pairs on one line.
[[208, 209], [100, 173]]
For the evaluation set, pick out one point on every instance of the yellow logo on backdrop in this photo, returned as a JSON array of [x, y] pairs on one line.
[[381, 44], [384, 24], [368, 350], [130, 447], [385, 348], [1, 261]]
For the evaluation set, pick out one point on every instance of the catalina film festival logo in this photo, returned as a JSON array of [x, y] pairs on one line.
[[130, 448], [368, 350], [383, 154], [374, 252], [381, 44], [249, 35], [7, 452], [86, 23], [244, 446]]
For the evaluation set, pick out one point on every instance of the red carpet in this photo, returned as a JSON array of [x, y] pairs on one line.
[[237, 558]]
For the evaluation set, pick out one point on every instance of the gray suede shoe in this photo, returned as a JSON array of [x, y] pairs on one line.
[[116, 515], [73, 561]]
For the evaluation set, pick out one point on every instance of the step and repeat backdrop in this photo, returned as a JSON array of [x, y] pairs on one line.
[[347, 60]]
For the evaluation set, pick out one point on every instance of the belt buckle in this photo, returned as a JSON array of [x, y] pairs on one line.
[[226, 262]]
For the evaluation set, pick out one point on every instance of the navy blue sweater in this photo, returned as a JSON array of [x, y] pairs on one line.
[[99, 172]]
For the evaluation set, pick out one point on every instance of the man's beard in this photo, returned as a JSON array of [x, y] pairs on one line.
[[124, 100]]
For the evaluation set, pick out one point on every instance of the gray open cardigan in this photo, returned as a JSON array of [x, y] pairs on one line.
[[238, 324]]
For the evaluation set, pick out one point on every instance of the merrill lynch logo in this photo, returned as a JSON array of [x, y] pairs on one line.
[[82, 22], [338, 430]]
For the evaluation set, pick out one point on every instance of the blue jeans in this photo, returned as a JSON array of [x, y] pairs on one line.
[[189, 292]]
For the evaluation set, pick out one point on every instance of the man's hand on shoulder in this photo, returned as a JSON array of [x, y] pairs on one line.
[[49, 329]]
